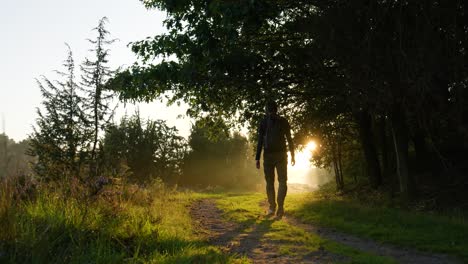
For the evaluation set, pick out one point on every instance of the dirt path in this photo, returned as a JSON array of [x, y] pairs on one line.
[[248, 239]]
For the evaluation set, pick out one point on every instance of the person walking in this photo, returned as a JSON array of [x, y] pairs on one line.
[[273, 132]]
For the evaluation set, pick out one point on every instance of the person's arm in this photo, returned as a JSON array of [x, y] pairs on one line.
[[290, 143], [261, 132]]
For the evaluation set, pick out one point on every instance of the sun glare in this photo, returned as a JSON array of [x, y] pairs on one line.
[[303, 156], [311, 146], [303, 172]]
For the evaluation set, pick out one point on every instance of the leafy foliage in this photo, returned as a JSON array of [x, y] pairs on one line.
[[144, 149], [395, 71]]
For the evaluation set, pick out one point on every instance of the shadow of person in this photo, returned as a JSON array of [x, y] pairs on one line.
[[248, 242]]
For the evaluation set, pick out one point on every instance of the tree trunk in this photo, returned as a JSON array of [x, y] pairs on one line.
[[400, 142], [337, 169], [97, 100], [388, 169], [340, 165], [386, 174], [368, 145], [421, 148]]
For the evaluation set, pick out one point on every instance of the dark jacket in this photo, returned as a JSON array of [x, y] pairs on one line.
[[273, 132]]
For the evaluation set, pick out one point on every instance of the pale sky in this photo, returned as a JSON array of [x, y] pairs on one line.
[[32, 37]]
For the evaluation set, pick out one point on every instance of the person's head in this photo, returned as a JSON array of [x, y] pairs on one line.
[[271, 107]]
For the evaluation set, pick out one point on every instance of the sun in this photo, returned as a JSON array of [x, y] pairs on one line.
[[311, 146], [303, 156]]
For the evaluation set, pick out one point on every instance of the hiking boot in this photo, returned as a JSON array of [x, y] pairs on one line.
[[280, 212], [270, 212]]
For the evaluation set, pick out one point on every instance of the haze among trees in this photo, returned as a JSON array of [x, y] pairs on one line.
[[13, 157], [219, 158]]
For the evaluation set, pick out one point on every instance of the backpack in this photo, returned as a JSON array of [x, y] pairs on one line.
[[274, 135]]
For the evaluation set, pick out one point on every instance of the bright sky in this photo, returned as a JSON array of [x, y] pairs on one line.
[[33, 34]]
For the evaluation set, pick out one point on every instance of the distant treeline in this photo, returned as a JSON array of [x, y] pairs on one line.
[[13, 157]]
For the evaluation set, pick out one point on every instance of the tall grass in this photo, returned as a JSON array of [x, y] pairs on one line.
[[62, 223]]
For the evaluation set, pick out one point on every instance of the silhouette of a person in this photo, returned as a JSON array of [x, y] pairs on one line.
[[273, 132]]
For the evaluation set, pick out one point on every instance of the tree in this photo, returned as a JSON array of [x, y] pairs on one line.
[[145, 149], [60, 138], [233, 58], [96, 72]]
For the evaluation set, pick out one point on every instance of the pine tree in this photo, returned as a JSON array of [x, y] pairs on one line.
[[61, 136], [95, 73]]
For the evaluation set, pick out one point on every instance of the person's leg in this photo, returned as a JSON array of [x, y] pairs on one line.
[[269, 169], [282, 170]]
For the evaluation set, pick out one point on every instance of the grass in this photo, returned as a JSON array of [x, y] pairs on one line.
[[245, 210], [423, 231], [124, 224], [129, 224]]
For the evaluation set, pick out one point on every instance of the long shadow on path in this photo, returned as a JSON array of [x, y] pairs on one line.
[[248, 237]]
